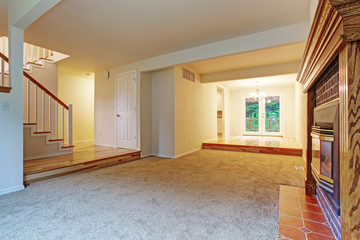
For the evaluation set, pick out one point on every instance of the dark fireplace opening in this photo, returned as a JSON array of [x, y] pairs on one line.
[[325, 151]]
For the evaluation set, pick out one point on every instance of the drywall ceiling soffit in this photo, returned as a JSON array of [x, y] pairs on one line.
[[252, 59], [102, 34], [271, 81], [255, 72]]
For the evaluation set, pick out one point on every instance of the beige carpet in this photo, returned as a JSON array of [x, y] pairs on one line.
[[205, 195]]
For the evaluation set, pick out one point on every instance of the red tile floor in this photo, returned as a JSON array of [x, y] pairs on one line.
[[300, 216]]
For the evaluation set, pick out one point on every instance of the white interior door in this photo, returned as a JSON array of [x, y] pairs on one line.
[[126, 110], [263, 115]]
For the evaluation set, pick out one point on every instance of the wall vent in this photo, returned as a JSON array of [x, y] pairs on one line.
[[189, 75], [299, 168]]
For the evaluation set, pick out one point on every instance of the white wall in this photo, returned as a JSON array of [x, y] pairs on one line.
[[227, 112], [47, 76], [146, 114], [78, 89], [313, 7], [105, 122], [236, 108], [301, 116], [195, 113], [163, 122], [11, 120]]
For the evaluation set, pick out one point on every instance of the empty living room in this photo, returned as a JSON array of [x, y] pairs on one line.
[[217, 120]]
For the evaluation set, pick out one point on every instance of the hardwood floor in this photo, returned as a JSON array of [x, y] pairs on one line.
[[86, 156], [257, 144]]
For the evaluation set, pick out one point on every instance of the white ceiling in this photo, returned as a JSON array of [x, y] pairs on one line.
[[272, 81], [102, 34]]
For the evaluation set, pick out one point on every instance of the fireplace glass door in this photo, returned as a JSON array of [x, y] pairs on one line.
[[326, 159]]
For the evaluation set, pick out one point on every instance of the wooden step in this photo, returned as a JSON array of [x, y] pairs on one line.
[[5, 89], [29, 124], [253, 149], [83, 160], [56, 140], [34, 63], [47, 59], [66, 146], [42, 132]]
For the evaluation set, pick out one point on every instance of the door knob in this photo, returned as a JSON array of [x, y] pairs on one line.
[[118, 115]]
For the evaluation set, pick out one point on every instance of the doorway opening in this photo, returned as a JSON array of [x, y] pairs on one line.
[[220, 112], [263, 114]]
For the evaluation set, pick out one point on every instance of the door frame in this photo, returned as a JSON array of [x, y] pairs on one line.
[[262, 132], [137, 142]]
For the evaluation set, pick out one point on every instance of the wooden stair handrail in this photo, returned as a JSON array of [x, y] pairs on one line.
[[39, 85]]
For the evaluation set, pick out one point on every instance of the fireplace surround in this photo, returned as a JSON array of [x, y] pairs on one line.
[[325, 151], [335, 33]]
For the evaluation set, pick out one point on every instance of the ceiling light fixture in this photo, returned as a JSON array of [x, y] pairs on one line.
[[257, 94]]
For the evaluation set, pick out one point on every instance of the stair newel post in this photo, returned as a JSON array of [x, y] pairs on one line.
[[56, 121], [28, 99], [70, 126], [2, 72], [35, 105]]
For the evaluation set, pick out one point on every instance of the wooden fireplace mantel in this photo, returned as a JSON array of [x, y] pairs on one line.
[[336, 32], [323, 44], [350, 13]]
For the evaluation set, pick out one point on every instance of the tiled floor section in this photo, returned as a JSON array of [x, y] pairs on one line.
[[300, 216]]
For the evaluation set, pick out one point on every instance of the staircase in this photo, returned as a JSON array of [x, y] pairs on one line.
[[48, 128]]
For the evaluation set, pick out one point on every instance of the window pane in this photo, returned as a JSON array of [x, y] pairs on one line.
[[272, 114], [252, 115]]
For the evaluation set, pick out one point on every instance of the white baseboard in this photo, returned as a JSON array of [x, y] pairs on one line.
[[10, 190], [105, 145], [83, 141], [144, 155], [186, 153], [210, 139], [163, 155]]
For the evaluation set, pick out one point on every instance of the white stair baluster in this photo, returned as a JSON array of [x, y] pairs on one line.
[[28, 99], [50, 114], [37, 54], [6, 47], [43, 111], [70, 126], [24, 56], [62, 122], [56, 121], [32, 53], [2, 72], [35, 106]]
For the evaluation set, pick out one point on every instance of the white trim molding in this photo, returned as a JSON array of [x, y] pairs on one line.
[[187, 152], [12, 189]]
